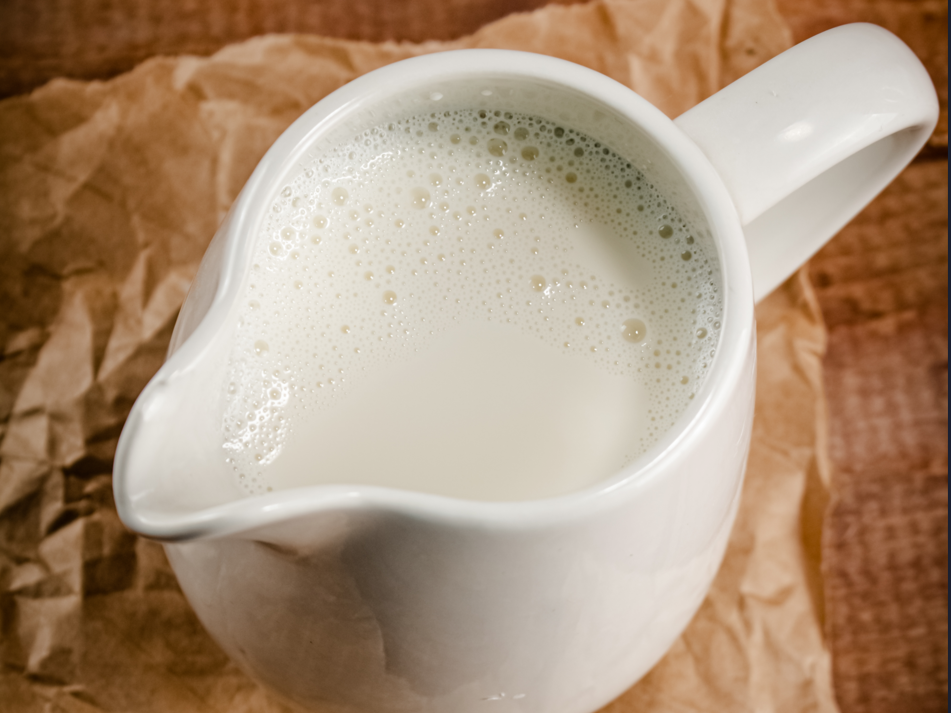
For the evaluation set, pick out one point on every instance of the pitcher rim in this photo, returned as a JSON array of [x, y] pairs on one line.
[[725, 372]]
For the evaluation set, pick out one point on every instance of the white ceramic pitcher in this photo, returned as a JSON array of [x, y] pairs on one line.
[[357, 598]]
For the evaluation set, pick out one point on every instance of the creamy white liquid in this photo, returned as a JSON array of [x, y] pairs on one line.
[[483, 306]]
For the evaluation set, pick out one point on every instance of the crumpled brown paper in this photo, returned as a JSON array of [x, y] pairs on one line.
[[109, 194]]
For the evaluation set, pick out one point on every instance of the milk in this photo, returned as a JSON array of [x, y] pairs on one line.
[[476, 304]]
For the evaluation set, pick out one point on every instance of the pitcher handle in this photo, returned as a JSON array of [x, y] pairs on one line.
[[807, 140]]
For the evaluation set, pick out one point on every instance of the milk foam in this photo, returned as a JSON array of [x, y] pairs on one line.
[[473, 303]]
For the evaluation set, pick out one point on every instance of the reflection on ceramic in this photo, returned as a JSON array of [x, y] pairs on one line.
[[356, 598]]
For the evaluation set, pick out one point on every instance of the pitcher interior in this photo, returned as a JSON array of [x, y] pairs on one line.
[[179, 460]]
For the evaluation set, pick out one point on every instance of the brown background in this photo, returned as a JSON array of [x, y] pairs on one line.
[[882, 284]]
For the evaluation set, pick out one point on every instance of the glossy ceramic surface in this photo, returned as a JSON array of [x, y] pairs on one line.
[[370, 599]]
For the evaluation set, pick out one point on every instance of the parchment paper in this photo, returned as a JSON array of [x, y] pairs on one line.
[[109, 194]]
